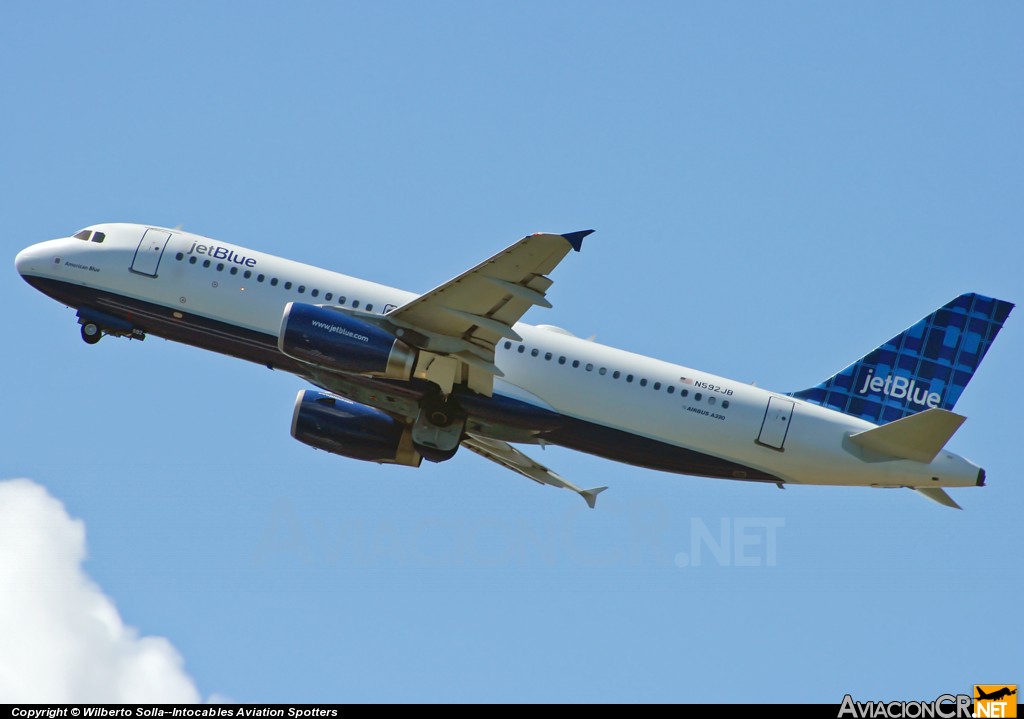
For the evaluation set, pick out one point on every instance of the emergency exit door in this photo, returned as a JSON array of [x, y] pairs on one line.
[[775, 426], [151, 249]]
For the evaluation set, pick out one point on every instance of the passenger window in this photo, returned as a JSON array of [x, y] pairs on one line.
[[575, 364], [220, 267], [260, 278], [341, 299], [180, 256], [561, 360], [206, 263], [302, 289], [355, 303], [287, 285], [98, 237], [273, 282], [328, 296], [684, 392], [314, 293], [629, 378], [657, 385], [590, 367], [711, 400], [234, 270], [643, 383], [725, 404], [192, 260], [521, 349], [697, 397], [534, 352], [369, 308], [248, 274], [671, 389], [616, 374], [508, 345], [603, 371]]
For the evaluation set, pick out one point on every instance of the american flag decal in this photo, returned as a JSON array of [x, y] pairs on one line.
[[686, 380]]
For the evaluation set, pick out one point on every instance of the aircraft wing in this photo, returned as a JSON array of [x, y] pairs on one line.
[[460, 322], [508, 456]]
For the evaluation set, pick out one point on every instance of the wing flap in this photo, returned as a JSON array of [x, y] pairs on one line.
[[521, 291], [487, 323]]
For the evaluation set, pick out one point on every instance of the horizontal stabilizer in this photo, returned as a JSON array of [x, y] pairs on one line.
[[918, 437], [937, 495]]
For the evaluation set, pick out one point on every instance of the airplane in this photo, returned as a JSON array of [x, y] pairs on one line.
[[403, 377], [996, 695]]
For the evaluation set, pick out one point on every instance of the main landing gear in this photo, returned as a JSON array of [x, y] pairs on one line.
[[438, 428]]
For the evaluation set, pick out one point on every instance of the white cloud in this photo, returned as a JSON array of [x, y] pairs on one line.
[[61, 637]]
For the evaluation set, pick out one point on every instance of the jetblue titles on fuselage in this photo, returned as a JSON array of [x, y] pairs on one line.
[[221, 253]]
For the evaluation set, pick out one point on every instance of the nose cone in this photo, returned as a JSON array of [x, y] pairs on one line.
[[35, 259], [25, 261]]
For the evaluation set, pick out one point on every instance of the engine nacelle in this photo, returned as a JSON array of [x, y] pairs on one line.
[[337, 341], [344, 427]]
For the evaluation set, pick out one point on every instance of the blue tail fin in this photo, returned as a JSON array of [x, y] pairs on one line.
[[926, 366]]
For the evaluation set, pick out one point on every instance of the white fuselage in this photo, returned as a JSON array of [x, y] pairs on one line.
[[793, 440]]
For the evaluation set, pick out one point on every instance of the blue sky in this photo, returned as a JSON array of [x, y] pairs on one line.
[[776, 188]]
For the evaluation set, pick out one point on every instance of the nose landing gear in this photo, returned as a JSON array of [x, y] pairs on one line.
[[95, 324], [91, 333]]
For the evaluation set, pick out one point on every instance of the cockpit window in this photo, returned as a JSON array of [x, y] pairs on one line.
[[90, 235]]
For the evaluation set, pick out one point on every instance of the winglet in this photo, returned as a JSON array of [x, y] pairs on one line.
[[576, 238], [937, 495], [590, 495]]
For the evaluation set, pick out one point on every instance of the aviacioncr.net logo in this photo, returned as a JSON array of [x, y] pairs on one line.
[[947, 706]]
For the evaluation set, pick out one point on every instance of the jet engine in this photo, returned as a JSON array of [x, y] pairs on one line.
[[344, 427], [338, 341]]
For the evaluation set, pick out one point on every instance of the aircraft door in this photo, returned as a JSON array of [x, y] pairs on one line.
[[775, 426], [151, 249]]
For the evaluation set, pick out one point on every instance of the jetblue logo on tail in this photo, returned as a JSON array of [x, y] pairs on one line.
[[896, 379], [900, 388]]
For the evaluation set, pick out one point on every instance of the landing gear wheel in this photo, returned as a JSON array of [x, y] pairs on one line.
[[441, 416], [433, 454], [91, 333]]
